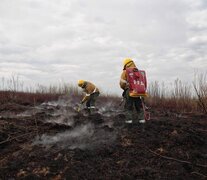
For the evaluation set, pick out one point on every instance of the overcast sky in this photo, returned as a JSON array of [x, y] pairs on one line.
[[52, 41]]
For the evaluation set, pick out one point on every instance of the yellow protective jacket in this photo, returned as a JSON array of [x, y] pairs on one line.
[[123, 81], [89, 88]]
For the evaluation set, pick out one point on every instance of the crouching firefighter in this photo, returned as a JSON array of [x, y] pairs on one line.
[[91, 94], [134, 84]]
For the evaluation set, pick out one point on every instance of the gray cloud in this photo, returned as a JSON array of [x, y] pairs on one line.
[[45, 41]]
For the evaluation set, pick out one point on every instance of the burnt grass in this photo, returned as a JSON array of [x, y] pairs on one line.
[[169, 146]]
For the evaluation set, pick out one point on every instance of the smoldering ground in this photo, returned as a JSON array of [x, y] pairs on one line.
[[167, 146], [82, 137], [83, 134]]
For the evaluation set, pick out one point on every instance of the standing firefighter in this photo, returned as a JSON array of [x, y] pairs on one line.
[[91, 95], [133, 82]]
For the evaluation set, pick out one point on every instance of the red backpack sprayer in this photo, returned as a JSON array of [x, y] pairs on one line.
[[137, 83]]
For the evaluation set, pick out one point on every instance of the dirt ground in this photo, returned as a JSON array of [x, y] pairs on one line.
[[53, 141]]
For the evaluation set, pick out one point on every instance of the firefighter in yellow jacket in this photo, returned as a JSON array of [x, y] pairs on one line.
[[91, 94], [132, 100]]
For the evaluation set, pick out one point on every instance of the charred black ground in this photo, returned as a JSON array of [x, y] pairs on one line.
[[54, 142]]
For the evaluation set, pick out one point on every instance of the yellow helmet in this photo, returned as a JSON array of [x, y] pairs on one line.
[[80, 83], [127, 61]]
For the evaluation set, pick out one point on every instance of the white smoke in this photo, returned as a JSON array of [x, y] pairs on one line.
[[82, 137], [109, 109], [68, 121], [62, 116], [68, 138]]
